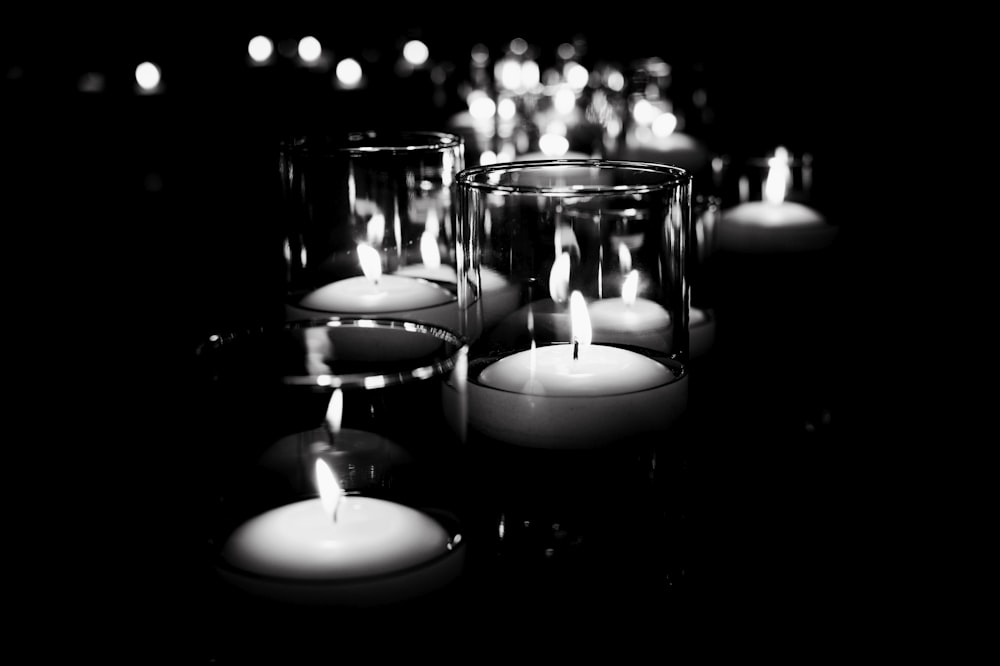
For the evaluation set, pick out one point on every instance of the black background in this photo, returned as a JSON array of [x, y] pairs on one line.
[[136, 225]]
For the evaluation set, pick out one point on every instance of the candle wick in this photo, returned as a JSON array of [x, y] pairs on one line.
[[576, 349]]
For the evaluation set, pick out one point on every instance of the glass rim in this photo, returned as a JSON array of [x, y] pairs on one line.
[[215, 344], [373, 142], [673, 177]]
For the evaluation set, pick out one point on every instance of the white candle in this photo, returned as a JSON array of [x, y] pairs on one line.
[[551, 397], [499, 296], [393, 296], [339, 549], [391, 293], [774, 224], [359, 458], [631, 320]]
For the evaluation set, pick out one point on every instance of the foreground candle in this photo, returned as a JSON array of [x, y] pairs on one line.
[[340, 550], [578, 395]]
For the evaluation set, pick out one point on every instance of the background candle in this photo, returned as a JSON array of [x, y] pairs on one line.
[[774, 224], [396, 296], [363, 551], [630, 319]]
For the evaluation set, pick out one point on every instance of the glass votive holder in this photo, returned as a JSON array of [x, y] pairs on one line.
[[370, 225], [706, 209], [577, 377], [333, 470], [578, 304]]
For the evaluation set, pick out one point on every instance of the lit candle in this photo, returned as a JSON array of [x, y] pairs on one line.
[[774, 224], [630, 319], [577, 395], [499, 296], [393, 296], [341, 550], [653, 137], [359, 458]]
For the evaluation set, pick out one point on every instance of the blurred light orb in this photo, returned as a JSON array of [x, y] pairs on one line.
[[310, 49], [518, 46], [415, 52], [577, 76], [488, 157], [664, 124], [506, 108], [480, 54], [349, 72], [147, 75], [566, 51], [260, 48], [564, 100], [481, 107], [616, 80], [553, 145]]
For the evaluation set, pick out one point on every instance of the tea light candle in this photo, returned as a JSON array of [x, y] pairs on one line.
[[398, 296], [577, 395], [339, 549], [499, 296], [359, 458], [774, 224], [630, 319]]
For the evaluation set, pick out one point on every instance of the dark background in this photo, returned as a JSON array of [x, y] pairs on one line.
[[135, 225]]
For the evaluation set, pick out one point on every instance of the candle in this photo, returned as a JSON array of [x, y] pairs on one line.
[[499, 296], [359, 458], [395, 296], [630, 319], [578, 395], [774, 224], [342, 550], [658, 141]]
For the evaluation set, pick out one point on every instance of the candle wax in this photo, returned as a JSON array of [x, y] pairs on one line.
[[370, 537], [644, 323], [552, 370], [766, 226], [362, 296]]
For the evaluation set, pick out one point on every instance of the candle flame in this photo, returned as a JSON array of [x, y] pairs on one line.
[[429, 252], [370, 262], [630, 288], [559, 278], [433, 224], [335, 411], [580, 320], [375, 231], [330, 491], [624, 257], [778, 176]]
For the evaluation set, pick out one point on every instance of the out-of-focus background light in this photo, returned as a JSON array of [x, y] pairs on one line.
[[260, 49]]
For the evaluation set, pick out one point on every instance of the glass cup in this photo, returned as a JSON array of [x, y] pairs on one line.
[[370, 225], [576, 273], [333, 480]]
